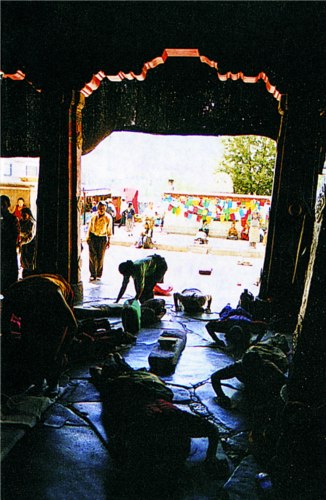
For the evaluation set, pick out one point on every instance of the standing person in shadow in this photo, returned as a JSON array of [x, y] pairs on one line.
[[27, 242], [10, 232]]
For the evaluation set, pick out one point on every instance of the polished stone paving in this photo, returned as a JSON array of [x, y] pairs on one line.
[[65, 456]]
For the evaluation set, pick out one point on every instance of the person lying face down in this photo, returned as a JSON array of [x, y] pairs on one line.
[[192, 301], [237, 340], [240, 337], [148, 434]]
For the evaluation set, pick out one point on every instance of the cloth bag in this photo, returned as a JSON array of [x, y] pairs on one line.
[[131, 316]]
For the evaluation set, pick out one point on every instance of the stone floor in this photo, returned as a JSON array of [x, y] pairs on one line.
[[64, 456]]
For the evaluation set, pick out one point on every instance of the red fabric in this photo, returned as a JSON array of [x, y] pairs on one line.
[[162, 289], [160, 406], [132, 195], [18, 213]]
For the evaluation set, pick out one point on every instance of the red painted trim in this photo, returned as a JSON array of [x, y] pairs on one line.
[[88, 89], [96, 80], [19, 75], [252, 79]]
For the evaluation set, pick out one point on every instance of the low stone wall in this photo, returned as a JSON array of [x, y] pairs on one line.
[[216, 229]]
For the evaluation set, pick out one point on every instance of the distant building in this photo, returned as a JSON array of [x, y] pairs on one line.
[[19, 179]]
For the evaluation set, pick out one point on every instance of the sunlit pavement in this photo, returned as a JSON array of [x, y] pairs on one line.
[[230, 273]]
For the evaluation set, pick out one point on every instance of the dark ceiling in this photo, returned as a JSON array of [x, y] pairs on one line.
[[61, 45], [64, 43]]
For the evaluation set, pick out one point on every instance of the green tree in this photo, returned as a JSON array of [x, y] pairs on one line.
[[249, 161]]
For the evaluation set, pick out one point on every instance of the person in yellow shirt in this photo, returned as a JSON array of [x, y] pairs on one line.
[[98, 239]]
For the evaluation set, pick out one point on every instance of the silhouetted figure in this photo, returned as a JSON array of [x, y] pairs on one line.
[[10, 232], [43, 306], [262, 371], [27, 242], [149, 437]]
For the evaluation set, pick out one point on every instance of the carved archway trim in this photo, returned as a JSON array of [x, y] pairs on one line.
[[96, 80]]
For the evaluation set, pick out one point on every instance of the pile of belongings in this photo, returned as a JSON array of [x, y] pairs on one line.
[[95, 338]]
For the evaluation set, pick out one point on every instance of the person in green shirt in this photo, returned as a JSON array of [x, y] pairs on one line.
[[145, 274]]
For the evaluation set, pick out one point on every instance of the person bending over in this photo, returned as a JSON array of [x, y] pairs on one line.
[[43, 306], [145, 274], [261, 370]]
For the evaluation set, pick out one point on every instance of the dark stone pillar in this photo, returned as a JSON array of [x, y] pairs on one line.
[[291, 218], [300, 455], [307, 380], [58, 210]]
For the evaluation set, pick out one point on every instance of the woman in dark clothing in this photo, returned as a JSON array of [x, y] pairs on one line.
[[9, 241], [27, 242]]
